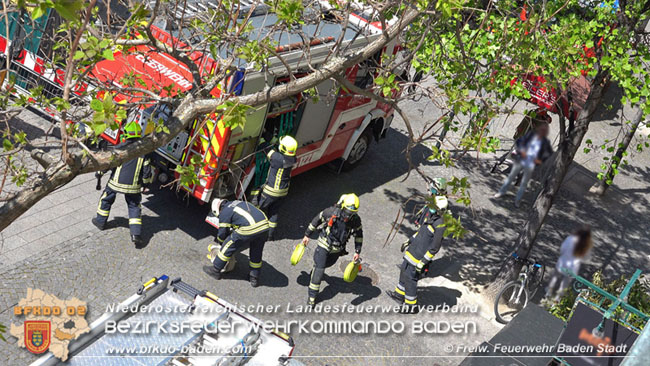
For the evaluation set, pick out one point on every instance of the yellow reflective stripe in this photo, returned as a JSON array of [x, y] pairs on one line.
[[313, 286], [358, 240], [99, 206], [275, 192], [253, 229], [270, 154], [397, 289], [411, 258], [247, 216], [311, 227], [431, 229], [135, 221], [278, 177], [273, 224], [224, 224], [255, 265], [224, 247], [410, 302], [138, 167], [103, 213], [428, 255], [220, 240]]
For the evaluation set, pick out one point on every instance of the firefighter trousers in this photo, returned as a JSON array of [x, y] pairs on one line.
[[322, 259], [270, 206], [133, 201], [407, 287], [236, 243]]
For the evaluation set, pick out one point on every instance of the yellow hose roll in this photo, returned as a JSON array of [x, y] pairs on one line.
[[351, 271], [297, 254]]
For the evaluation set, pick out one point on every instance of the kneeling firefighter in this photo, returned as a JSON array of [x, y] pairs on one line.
[[278, 178], [240, 225], [420, 249], [128, 179], [335, 226]]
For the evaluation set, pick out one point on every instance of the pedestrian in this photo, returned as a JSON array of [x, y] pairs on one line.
[[278, 178], [241, 225], [129, 179], [335, 225], [573, 252], [420, 250], [531, 150]]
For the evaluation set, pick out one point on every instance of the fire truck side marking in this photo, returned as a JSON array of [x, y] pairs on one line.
[[165, 71]]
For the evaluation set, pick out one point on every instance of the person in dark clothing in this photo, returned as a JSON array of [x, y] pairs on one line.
[[278, 178], [335, 225], [531, 150], [128, 179], [419, 251], [241, 225]]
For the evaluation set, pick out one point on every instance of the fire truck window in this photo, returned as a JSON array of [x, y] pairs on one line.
[[367, 70]]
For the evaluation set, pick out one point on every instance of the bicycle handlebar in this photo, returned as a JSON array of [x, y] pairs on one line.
[[531, 261]]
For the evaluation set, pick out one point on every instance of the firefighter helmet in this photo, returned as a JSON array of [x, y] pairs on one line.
[[216, 205], [132, 130], [438, 186], [441, 203], [288, 145], [349, 202]]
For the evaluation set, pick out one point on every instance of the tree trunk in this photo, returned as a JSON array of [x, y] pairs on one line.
[[615, 162], [552, 183]]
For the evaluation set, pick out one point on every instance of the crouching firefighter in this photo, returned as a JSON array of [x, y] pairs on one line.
[[128, 179], [240, 225], [277, 181], [419, 252], [335, 225]]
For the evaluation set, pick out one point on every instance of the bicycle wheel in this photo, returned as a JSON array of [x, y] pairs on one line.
[[535, 280], [511, 299]]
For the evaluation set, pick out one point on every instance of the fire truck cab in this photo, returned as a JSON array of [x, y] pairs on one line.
[[334, 125]]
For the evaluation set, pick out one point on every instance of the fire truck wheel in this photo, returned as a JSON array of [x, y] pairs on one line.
[[163, 177], [359, 150]]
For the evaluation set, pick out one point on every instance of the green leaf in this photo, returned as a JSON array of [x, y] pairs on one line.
[[96, 105], [78, 55], [38, 12], [107, 54]]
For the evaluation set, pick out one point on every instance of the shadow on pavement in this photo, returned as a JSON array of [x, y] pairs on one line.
[[437, 295], [310, 192], [362, 287], [269, 276]]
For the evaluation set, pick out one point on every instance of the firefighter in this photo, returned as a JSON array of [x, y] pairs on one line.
[[420, 249], [240, 224], [278, 178], [335, 225], [128, 179]]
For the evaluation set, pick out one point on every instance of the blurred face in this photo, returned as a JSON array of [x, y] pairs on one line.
[[542, 130]]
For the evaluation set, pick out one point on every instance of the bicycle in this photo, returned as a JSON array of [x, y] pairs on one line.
[[514, 296]]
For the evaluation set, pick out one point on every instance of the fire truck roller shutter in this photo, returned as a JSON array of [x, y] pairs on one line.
[[361, 138]]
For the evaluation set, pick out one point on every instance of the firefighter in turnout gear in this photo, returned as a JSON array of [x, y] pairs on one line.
[[335, 225], [420, 249], [276, 187], [240, 225], [128, 179]]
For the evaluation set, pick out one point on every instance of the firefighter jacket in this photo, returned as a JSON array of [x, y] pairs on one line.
[[243, 218], [277, 181], [335, 230], [129, 177], [426, 242]]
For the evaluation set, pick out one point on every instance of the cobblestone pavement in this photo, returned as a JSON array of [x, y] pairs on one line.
[[55, 248]]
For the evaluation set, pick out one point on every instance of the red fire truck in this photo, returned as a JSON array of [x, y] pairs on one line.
[[338, 126]]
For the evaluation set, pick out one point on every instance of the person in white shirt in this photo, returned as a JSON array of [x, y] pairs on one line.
[[531, 150], [573, 252]]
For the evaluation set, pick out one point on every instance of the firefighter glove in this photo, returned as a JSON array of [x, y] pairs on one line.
[[404, 246]]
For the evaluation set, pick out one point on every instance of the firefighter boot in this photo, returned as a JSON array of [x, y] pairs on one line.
[[395, 296], [311, 302], [136, 239], [253, 280], [96, 222], [212, 272]]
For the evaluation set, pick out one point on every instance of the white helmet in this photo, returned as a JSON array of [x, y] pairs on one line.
[[441, 203], [216, 205]]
